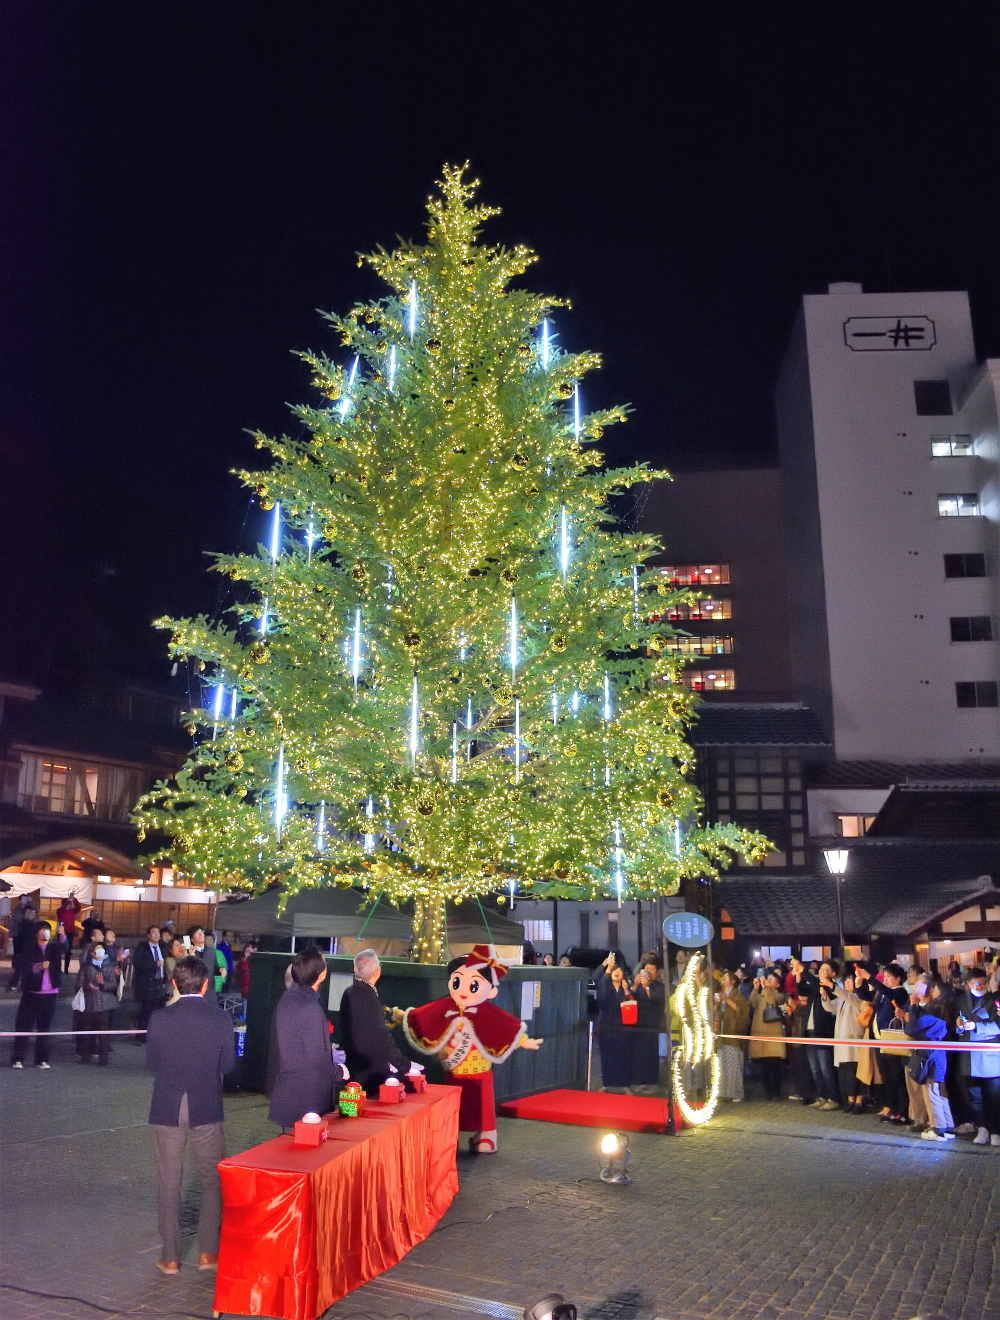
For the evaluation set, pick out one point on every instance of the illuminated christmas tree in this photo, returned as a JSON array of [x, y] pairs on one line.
[[449, 676]]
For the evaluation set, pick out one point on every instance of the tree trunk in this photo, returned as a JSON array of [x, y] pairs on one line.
[[428, 930]]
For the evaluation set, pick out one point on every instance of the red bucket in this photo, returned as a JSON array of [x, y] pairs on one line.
[[630, 1012]]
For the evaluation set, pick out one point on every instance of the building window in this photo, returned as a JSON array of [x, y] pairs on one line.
[[964, 566], [708, 645], [952, 446], [853, 827], [932, 398], [971, 628], [538, 932], [696, 575], [958, 506], [707, 607], [69, 790], [709, 680], [976, 694]]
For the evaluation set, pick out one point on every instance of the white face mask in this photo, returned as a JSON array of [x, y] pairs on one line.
[[98, 956], [976, 994]]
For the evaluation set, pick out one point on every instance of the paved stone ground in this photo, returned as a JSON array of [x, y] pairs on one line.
[[773, 1212]]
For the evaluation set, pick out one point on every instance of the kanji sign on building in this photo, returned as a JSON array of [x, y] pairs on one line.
[[889, 334], [688, 929]]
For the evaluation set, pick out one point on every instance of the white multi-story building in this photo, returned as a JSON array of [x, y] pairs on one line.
[[890, 455]]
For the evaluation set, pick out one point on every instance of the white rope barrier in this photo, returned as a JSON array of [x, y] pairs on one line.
[[878, 1043]]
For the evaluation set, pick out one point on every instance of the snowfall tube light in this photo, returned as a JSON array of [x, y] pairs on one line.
[[279, 793], [220, 696], [356, 650], [392, 368], [607, 698], [414, 723], [276, 534], [517, 741], [233, 705], [321, 828], [577, 428], [454, 753], [412, 313], [513, 639], [345, 403], [563, 544], [370, 838], [546, 344], [264, 615]]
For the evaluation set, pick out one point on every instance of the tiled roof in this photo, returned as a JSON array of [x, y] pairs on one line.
[[757, 723], [883, 774], [898, 880], [78, 730]]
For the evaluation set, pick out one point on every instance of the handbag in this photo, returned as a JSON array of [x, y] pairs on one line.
[[772, 1013], [79, 1004], [865, 1014], [894, 1030], [919, 1066]]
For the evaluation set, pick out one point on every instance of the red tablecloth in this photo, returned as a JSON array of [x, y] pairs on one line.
[[302, 1227]]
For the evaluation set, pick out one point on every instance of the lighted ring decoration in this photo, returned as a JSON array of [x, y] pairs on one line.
[[697, 1043]]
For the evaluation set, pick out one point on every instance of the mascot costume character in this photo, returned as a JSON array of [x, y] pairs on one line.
[[469, 1035]]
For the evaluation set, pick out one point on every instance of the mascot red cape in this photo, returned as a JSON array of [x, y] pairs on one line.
[[469, 1035]]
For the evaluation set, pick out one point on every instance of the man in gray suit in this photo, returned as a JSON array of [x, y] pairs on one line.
[[189, 1047]]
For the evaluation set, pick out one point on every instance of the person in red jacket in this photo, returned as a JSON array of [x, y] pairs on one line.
[[469, 1035]]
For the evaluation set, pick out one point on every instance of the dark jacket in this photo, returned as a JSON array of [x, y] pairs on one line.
[[651, 1006], [189, 1047], [368, 1043], [33, 962], [101, 996], [307, 1074], [923, 1024], [146, 985], [885, 1009]]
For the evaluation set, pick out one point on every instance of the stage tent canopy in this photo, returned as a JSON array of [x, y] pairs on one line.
[[348, 914]]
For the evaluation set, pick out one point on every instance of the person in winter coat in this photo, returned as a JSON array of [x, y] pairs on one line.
[[844, 1005], [307, 1071], [767, 1027], [732, 1019], [98, 979], [650, 994], [613, 1038], [926, 1020], [40, 972], [978, 1020]]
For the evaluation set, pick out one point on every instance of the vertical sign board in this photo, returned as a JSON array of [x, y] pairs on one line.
[[688, 930]]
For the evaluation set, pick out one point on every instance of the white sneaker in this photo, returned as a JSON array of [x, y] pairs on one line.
[[17, 1064], [982, 1137], [794, 1097], [965, 1129], [994, 1139], [931, 1135], [43, 1065]]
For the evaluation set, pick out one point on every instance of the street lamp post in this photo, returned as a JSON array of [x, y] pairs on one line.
[[836, 860]]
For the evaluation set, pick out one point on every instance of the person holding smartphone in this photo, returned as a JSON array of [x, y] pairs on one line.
[[978, 1020]]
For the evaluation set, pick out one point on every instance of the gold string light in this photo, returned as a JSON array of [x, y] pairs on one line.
[[697, 1049]]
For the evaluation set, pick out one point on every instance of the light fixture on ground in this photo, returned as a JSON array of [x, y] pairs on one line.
[[836, 860], [553, 1306], [615, 1156]]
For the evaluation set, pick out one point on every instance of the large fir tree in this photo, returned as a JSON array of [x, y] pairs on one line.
[[449, 673]]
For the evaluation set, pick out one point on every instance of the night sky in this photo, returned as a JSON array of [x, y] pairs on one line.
[[182, 185]]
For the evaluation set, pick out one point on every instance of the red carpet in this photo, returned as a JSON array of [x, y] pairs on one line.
[[629, 1113]]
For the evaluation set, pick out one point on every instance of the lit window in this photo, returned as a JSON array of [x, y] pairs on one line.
[[853, 826], [696, 575], [538, 932], [709, 680], [971, 628], [976, 694], [706, 607], [964, 566], [952, 446], [958, 506], [699, 646]]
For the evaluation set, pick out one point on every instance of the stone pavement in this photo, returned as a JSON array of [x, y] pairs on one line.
[[772, 1212]]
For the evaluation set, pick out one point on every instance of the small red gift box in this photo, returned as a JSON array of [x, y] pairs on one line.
[[416, 1082], [630, 1012], [309, 1134], [389, 1094], [351, 1101]]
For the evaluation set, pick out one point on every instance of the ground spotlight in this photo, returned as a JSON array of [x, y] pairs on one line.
[[615, 1156], [553, 1306]]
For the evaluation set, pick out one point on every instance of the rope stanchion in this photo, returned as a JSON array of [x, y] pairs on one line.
[[878, 1043]]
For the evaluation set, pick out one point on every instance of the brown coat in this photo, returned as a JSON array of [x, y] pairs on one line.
[[733, 1021], [772, 1042]]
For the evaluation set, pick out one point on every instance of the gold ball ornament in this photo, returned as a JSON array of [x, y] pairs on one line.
[[663, 588], [508, 576], [521, 462], [489, 869], [558, 643], [642, 748], [601, 633], [570, 749], [448, 404], [664, 798], [504, 694], [425, 806], [233, 761], [657, 642], [564, 389], [359, 573], [433, 346], [523, 351], [412, 640], [260, 653]]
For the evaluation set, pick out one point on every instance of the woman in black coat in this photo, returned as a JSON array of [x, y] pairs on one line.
[[307, 1073], [648, 989], [613, 1037]]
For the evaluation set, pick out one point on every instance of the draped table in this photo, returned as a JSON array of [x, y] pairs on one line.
[[303, 1226]]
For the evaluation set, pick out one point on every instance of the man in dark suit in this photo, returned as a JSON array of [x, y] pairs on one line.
[[307, 1071], [189, 1047], [372, 1054], [149, 982]]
